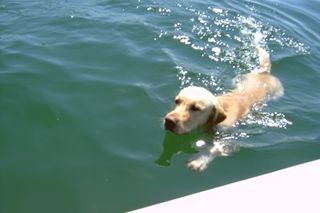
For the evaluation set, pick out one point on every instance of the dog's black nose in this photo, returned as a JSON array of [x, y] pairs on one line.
[[170, 123]]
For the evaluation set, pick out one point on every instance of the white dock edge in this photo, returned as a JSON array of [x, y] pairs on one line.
[[295, 189]]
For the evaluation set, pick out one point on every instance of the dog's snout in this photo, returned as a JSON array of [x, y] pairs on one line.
[[170, 123]]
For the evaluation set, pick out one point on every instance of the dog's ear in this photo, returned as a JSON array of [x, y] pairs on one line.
[[218, 115]]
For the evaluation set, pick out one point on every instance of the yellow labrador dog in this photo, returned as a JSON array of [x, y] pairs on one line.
[[196, 107]]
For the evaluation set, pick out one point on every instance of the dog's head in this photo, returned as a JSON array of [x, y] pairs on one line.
[[194, 107]]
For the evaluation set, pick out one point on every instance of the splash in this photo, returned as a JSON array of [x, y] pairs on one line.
[[225, 36], [266, 119]]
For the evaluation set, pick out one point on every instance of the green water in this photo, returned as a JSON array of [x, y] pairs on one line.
[[84, 86]]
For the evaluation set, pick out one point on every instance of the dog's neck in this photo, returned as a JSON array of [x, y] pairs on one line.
[[210, 125]]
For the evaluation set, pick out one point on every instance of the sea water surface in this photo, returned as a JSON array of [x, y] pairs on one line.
[[84, 86]]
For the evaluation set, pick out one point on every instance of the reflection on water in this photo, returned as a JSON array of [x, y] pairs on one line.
[[175, 144], [220, 144]]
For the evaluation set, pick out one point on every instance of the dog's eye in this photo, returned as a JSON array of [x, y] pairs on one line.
[[195, 108], [177, 101]]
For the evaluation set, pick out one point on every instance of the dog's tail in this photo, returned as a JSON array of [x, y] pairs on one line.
[[275, 88], [264, 60], [264, 57]]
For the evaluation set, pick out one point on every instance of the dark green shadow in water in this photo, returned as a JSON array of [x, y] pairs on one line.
[[174, 144]]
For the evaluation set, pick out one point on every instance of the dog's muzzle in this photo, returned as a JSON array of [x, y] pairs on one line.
[[170, 123]]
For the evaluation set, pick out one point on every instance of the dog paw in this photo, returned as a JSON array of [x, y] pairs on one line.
[[197, 165]]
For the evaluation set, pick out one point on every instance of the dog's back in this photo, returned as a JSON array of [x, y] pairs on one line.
[[255, 87]]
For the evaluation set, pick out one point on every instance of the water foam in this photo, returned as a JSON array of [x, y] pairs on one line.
[[227, 37]]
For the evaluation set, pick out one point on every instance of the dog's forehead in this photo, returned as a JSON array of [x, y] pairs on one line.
[[197, 94]]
